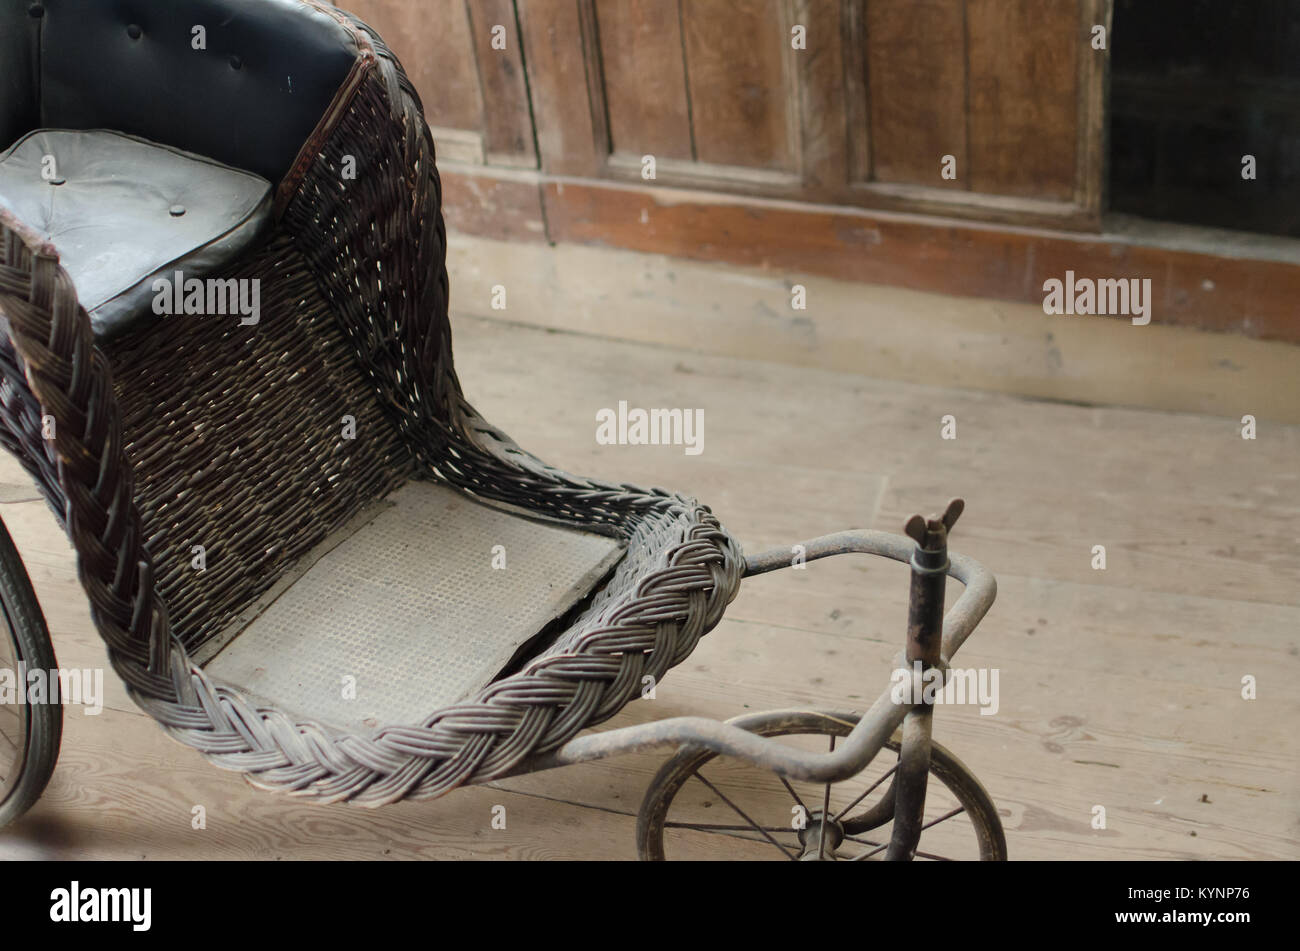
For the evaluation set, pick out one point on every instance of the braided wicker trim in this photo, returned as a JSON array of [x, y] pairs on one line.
[[376, 247]]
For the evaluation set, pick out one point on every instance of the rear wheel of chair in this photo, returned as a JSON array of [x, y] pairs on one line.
[[704, 806], [29, 732]]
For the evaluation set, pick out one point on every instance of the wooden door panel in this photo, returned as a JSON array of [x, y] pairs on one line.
[[645, 78], [863, 114], [737, 61], [916, 77], [1024, 69]]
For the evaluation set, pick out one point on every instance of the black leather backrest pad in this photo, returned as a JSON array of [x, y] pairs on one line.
[[18, 92], [251, 99]]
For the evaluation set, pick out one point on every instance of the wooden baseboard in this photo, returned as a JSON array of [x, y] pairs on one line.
[[877, 330], [1226, 284]]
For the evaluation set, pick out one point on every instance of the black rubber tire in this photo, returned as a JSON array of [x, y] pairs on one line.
[[944, 766], [23, 625]]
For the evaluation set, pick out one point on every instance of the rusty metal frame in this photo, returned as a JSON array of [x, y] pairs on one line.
[[876, 725]]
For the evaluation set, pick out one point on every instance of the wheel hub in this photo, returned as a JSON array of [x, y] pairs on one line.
[[810, 837]]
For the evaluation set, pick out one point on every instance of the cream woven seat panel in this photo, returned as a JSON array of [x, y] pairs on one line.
[[402, 612]]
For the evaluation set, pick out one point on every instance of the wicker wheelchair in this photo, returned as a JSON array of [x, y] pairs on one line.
[[225, 359]]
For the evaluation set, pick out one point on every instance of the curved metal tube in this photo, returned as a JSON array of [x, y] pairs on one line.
[[958, 621], [871, 732]]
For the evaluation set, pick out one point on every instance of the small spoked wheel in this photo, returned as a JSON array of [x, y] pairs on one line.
[[29, 733], [704, 806]]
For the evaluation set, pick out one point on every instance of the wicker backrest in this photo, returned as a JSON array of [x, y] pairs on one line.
[[247, 445]]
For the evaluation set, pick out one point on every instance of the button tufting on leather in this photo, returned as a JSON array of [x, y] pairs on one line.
[[90, 79], [36, 11], [129, 209]]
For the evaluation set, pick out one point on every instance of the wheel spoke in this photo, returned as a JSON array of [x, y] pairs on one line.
[[859, 840], [867, 855], [799, 802], [870, 789], [928, 855], [735, 835], [826, 810], [793, 843], [948, 815], [720, 826], [740, 812]]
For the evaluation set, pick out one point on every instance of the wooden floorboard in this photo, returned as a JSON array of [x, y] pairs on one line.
[[1118, 688]]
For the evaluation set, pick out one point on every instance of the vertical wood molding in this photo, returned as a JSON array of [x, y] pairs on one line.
[[1094, 76], [593, 57], [818, 77], [857, 93], [793, 75]]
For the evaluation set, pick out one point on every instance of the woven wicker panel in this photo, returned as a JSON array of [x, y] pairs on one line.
[[408, 603], [236, 440]]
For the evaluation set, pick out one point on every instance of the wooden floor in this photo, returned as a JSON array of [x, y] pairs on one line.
[[1120, 688]]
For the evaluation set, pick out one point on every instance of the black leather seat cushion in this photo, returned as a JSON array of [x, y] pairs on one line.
[[250, 94], [123, 211]]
